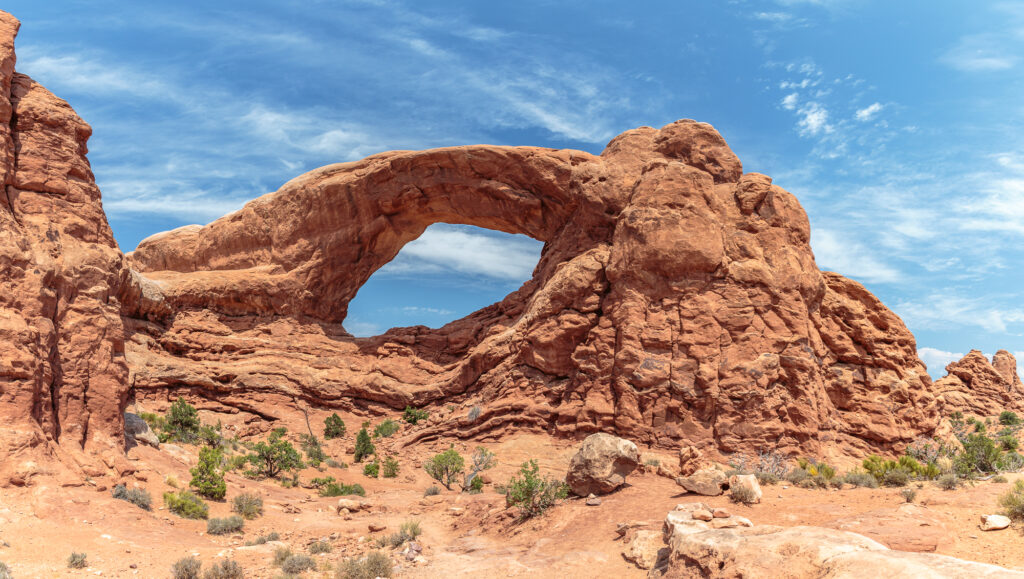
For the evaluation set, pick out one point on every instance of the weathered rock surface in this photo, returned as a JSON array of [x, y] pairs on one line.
[[137, 430], [63, 376], [601, 464], [908, 527], [973, 385], [709, 482], [994, 522], [643, 549], [804, 552]]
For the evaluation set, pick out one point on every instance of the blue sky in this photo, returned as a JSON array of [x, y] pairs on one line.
[[897, 124]]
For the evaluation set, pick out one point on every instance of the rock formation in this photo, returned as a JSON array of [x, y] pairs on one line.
[[975, 386], [63, 376], [601, 465], [676, 301]]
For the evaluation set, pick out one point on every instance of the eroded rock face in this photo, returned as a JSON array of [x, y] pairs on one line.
[[676, 303], [63, 376], [975, 386], [601, 465]]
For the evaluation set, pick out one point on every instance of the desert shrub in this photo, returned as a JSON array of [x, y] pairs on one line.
[[432, 490], [895, 478], [390, 467], [407, 532], [1008, 418], [861, 479], [318, 547], [533, 494], [374, 564], [476, 485], [314, 452], [372, 469], [414, 415], [797, 475], [273, 457], [945, 464], [5, 571], [980, 454], [334, 489], [386, 429], [171, 481], [948, 482], [474, 413], [182, 422], [210, 435], [186, 505], [1013, 501], [481, 460], [999, 479], [249, 505], [445, 467], [226, 569], [652, 462], [298, 563], [207, 476], [334, 427], [236, 462], [225, 526], [364, 446], [768, 466], [1009, 442], [1010, 461], [264, 539], [186, 568], [742, 494], [908, 494], [335, 464], [281, 555], [77, 561], [137, 497]]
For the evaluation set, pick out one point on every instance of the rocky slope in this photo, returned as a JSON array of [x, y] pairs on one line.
[[974, 385]]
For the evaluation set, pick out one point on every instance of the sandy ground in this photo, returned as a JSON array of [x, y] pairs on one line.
[[464, 535]]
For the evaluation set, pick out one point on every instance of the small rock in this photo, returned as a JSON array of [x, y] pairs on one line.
[[133, 566], [720, 514], [593, 502], [643, 550], [702, 515], [375, 527], [994, 522]]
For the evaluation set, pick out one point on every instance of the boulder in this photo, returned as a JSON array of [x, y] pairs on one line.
[[709, 482], [643, 550], [747, 485], [601, 464], [994, 522], [138, 430], [352, 505]]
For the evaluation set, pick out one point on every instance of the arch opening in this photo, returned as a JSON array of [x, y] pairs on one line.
[[447, 273]]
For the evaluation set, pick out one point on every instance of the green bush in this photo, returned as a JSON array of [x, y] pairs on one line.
[[372, 469], [445, 467], [409, 531], [481, 460], [263, 539], [226, 569], [1013, 501], [895, 478], [980, 454], [1010, 461], [1009, 442], [908, 494], [186, 505], [532, 494], [77, 561], [1000, 479], [273, 457], [1007, 418], [797, 475], [208, 476], [298, 563], [476, 485], [743, 494], [314, 452], [334, 427], [186, 568], [210, 435], [281, 554], [338, 490], [386, 429], [414, 415], [236, 462], [138, 497], [374, 564], [432, 490], [861, 479], [182, 422], [224, 526], [390, 467], [249, 505], [318, 547], [364, 446], [335, 464]]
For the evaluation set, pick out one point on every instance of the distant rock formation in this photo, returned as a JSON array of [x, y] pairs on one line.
[[975, 386]]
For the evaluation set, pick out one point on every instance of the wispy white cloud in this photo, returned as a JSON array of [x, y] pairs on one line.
[[850, 258], [813, 119], [445, 249], [981, 53], [868, 113], [944, 311], [936, 360]]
